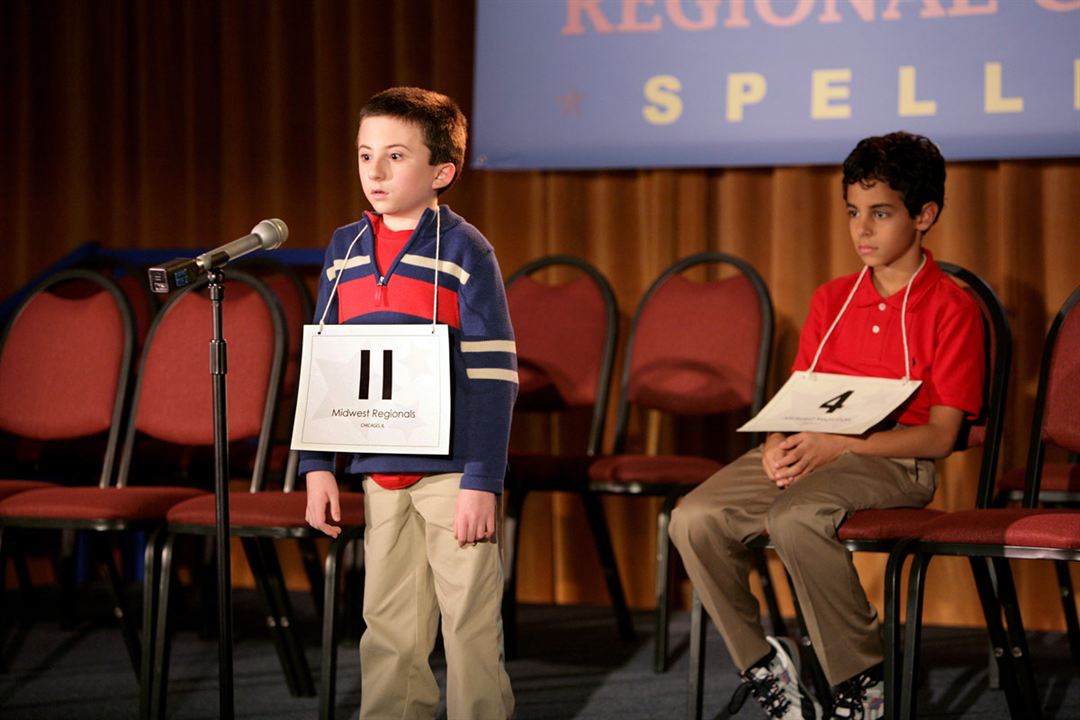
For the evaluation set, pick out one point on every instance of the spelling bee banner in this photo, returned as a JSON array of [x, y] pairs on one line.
[[668, 83]]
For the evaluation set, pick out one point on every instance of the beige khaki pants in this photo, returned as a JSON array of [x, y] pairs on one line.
[[415, 570], [713, 523]]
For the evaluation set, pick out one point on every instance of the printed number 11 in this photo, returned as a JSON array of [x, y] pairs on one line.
[[387, 377], [836, 403]]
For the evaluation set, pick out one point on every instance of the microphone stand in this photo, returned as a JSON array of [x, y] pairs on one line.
[[218, 370]]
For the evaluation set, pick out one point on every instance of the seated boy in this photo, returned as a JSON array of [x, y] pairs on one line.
[[429, 540], [800, 487]]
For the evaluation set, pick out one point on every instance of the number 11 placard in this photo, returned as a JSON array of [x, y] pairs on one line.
[[826, 402], [374, 389]]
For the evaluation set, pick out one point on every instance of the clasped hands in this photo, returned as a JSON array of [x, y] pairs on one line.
[[788, 459]]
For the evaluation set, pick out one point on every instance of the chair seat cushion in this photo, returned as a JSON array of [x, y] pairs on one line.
[[1039, 527], [271, 509], [653, 469], [890, 524], [11, 487], [95, 503], [1056, 477], [544, 471]]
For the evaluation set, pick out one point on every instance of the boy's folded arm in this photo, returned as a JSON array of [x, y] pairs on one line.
[[935, 439]]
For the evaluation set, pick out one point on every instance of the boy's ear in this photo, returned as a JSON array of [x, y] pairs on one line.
[[926, 217], [444, 174]]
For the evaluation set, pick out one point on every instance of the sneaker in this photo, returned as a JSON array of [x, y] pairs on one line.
[[860, 698], [777, 687]]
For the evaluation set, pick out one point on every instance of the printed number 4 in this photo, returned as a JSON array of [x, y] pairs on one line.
[[365, 374], [834, 404]]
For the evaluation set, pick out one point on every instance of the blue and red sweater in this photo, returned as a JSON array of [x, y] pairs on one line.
[[472, 302]]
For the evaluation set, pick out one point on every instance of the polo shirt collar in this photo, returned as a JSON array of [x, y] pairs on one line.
[[867, 294]]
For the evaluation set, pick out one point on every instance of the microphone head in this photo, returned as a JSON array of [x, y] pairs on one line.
[[272, 232]]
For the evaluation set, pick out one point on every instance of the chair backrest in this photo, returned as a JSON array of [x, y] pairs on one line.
[[132, 279], [986, 430], [1057, 417], [65, 362], [566, 332], [173, 402], [299, 306], [698, 347]]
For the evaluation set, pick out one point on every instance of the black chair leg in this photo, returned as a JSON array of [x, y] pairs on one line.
[[663, 583], [1021, 685], [328, 675], [256, 561], [761, 563], [103, 546], [696, 684], [309, 556], [515, 503], [67, 569], [286, 617], [1068, 606], [594, 510], [352, 626], [5, 613], [151, 553], [894, 570], [912, 631], [159, 683]]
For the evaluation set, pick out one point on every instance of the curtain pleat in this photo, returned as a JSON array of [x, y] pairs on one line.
[[181, 124]]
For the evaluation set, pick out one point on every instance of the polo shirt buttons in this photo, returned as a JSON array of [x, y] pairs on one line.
[[875, 329], [881, 306]]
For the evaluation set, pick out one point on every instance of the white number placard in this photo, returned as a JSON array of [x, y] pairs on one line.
[[826, 402], [374, 389]]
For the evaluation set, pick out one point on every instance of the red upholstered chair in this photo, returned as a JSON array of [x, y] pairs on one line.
[[172, 405], [298, 304], [696, 348], [65, 363], [258, 518], [883, 530], [565, 323], [1059, 487], [991, 537]]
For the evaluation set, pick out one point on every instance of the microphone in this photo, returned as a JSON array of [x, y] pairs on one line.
[[180, 272]]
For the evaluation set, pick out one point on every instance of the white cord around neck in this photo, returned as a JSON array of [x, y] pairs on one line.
[[903, 318], [337, 278], [348, 252], [435, 301]]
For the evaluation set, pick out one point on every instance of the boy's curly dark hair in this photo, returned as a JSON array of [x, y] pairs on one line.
[[910, 164], [441, 122]]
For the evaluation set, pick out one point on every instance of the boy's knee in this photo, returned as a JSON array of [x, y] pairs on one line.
[[788, 522], [694, 522]]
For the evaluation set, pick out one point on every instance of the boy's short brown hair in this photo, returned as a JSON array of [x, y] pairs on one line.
[[440, 120], [910, 164]]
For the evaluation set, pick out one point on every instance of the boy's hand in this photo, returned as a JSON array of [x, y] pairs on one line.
[[773, 459], [808, 451], [322, 489], [474, 516]]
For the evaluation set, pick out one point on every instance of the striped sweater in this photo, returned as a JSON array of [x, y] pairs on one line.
[[472, 302]]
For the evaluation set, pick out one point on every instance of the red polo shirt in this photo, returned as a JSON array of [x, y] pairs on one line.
[[945, 339]]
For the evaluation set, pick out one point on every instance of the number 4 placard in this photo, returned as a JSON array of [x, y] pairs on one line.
[[374, 389], [826, 402]]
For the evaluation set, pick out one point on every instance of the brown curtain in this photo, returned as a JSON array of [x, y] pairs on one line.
[[181, 124]]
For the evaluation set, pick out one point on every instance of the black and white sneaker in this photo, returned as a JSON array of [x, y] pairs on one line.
[[776, 687], [860, 698]]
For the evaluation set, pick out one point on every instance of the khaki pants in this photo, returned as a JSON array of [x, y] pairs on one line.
[[713, 523], [415, 570]]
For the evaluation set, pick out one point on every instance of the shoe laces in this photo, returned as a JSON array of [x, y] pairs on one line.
[[851, 697], [764, 686]]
